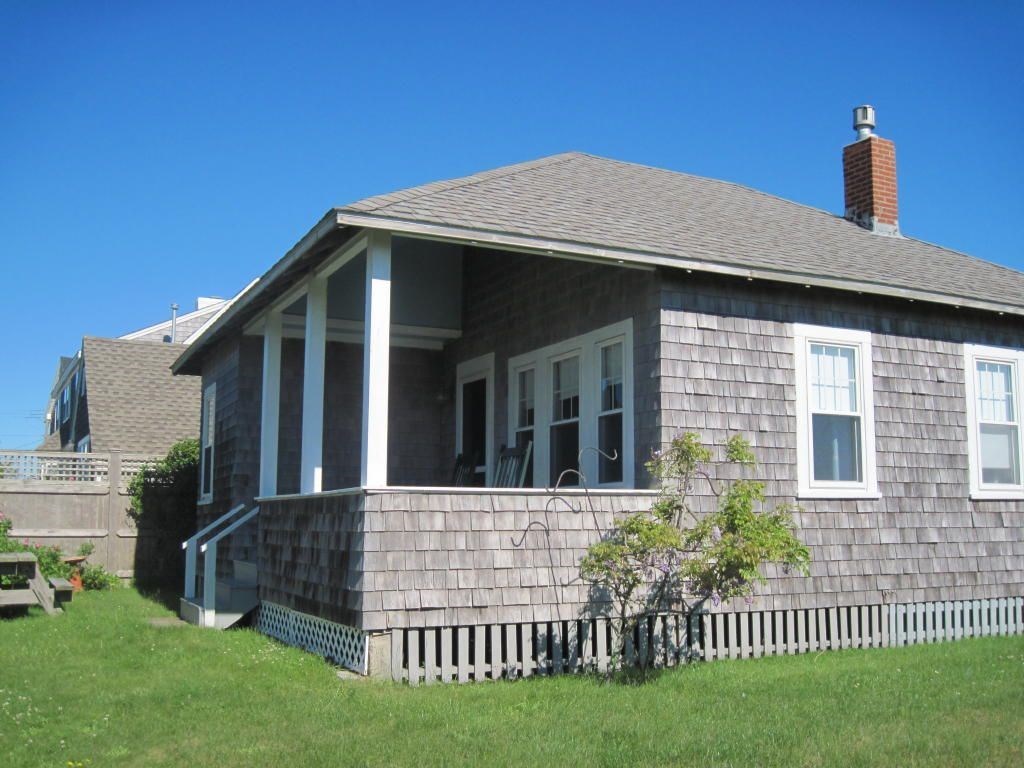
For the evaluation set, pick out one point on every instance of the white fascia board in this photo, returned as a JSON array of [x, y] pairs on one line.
[[562, 248], [328, 223]]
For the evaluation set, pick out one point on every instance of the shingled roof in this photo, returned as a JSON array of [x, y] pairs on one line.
[[135, 404], [577, 198]]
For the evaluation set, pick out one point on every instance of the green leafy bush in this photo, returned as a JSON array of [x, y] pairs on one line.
[[163, 506], [98, 577], [670, 557]]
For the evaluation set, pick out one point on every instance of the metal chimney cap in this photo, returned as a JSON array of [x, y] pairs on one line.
[[864, 120]]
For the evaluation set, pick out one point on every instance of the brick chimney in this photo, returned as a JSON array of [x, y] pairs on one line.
[[869, 177]]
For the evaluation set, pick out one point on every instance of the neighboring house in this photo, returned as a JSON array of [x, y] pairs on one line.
[[119, 394], [578, 303]]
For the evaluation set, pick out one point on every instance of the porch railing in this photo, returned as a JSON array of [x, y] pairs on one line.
[[204, 542]]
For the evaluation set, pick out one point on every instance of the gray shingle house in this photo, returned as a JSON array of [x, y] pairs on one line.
[[575, 303], [119, 394]]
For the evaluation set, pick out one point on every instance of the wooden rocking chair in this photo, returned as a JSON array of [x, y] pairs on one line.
[[512, 466]]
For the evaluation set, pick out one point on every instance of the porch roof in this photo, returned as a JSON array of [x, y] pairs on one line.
[[582, 205]]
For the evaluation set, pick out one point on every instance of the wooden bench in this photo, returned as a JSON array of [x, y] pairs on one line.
[[36, 591]]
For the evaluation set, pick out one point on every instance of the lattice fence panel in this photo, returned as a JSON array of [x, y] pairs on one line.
[[335, 642], [64, 467]]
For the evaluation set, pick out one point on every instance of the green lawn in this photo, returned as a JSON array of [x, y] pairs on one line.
[[101, 687]]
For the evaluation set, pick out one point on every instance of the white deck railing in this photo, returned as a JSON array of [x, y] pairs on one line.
[[67, 467], [55, 466]]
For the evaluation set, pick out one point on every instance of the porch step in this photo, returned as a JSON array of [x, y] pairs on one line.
[[245, 572], [234, 600]]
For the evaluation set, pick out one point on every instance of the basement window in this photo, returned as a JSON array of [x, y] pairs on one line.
[[993, 384], [835, 413]]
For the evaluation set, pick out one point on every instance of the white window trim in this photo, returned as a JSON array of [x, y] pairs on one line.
[[465, 373], [84, 445], [588, 348], [807, 488], [513, 423], [1015, 357], [210, 393]]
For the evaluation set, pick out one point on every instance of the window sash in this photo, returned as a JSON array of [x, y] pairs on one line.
[[835, 418], [207, 442], [994, 396], [581, 394]]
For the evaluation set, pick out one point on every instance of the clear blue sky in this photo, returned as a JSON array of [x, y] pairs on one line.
[[151, 153]]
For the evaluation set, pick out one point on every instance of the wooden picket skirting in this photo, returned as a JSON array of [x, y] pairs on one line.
[[511, 651]]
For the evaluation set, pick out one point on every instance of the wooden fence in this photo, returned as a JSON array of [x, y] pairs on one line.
[[511, 651], [67, 499]]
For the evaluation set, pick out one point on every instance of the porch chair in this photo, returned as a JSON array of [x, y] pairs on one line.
[[512, 465], [462, 474]]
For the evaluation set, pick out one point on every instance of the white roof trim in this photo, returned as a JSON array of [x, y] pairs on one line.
[[558, 247]]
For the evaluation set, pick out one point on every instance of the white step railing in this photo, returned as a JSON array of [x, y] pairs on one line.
[[209, 550], [191, 548]]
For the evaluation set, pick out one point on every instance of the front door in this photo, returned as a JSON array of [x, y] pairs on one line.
[[474, 415], [474, 428]]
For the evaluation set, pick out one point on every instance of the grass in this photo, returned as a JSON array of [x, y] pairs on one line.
[[101, 687]]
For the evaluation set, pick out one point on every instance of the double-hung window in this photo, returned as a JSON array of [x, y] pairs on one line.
[[207, 440], [993, 383], [525, 404], [574, 401], [835, 413]]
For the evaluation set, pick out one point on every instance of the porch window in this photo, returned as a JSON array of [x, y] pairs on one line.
[[565, 419], [207, 437], [835, 438], [609, 419], [525, 414], [584, 409], [994, 394]]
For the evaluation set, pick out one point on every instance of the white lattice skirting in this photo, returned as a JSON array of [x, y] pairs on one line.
[[509, 651], [335, 642]]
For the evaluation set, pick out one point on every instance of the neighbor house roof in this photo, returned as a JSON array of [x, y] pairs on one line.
[[581, 204], [135, 404]]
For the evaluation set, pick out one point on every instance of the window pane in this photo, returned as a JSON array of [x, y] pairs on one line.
[[523, 438], [566, 386], [999, 454], [833, 372], [837, 448], [207, 470], [609, 439], [995, 392], [611, 377], [565, 449], [525, 399]]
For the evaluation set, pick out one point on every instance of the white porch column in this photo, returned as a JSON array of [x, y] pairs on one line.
[[376, 359], [311, 474], [270, 416]]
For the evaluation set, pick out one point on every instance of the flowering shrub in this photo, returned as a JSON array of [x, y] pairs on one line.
[[51, 562], [51, 559], [663, 558]]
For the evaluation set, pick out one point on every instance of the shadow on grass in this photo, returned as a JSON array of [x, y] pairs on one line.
[[168, 597]]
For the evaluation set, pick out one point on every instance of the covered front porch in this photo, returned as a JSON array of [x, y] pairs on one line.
[[396, 355], [368, 374]]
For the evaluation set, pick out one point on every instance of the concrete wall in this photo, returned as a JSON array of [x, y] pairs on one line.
[[70, 514], [726, 365]]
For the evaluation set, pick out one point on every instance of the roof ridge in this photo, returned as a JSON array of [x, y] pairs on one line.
[[369, 204]]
